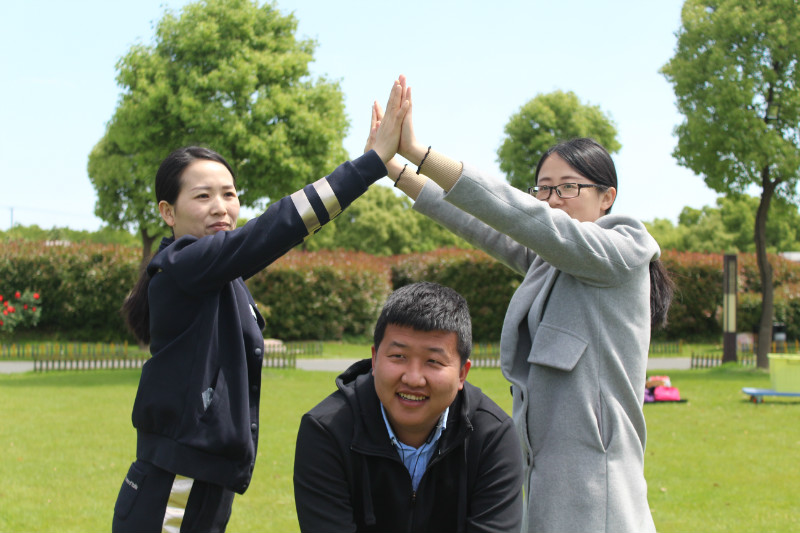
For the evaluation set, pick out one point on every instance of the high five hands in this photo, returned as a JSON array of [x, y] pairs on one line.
[[407, 144], [385, 129]]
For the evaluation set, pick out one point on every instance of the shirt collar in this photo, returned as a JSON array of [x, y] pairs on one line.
[[432, 438]]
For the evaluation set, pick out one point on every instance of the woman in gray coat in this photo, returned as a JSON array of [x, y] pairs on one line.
[[576, 333]]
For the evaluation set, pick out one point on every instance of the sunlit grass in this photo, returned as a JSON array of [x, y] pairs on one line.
[[714, 463]]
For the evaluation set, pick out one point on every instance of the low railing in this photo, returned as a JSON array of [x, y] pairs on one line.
[[485, 355], [52, 356], [661, 348], [714, 359]]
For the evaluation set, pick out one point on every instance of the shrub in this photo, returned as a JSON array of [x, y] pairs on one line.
[[85, 285], [328, 295], [696, 312], [485, 283], [324, 295], [19, 310]]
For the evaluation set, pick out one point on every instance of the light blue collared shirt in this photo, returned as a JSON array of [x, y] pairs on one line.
[[417, 459]]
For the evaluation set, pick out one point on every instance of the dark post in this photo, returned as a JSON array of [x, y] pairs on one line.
[[729, 309]]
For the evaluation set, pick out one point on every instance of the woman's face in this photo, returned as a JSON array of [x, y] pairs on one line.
[[589, 205], [207, 202]]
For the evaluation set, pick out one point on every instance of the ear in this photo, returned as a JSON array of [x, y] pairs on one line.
[[462, 374], [167, 212], [607, 200], [374, 356]]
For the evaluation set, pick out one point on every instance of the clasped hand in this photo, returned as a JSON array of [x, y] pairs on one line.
[[393, 131]]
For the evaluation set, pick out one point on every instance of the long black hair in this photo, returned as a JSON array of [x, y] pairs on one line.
[[590, 159], [136, 308]]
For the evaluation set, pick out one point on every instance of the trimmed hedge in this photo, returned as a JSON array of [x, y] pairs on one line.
[[329, 295], [81, 286], [486, 284], [325, 295], [696, 311]]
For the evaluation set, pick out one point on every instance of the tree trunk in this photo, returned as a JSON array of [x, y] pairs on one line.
[[765, 272]]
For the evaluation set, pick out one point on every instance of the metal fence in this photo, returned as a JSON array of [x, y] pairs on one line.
[[284, 354], [87, 363], [713, 359], [745, 354], [62, 350], [53, 356], [485, 355], [666, 347]]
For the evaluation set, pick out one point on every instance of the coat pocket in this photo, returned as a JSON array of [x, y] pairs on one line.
[[557, 348], [215, 428], [131, 486]]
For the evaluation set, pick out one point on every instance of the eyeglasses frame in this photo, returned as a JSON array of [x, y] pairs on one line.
[[552, 188]]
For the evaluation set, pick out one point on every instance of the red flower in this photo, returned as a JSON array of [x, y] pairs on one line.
[[17, 295], [5, 311], [24, 306], [1, 297], [34, 309], [11, 309], [35, 296]]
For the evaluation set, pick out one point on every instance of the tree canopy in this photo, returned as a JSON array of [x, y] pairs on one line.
[[229, 75], [735, 75], [543, 122], [728, 228]]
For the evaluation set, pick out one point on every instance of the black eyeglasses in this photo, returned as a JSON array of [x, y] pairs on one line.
[[565, 190]]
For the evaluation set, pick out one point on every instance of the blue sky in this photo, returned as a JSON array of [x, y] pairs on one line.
[[472, 64]]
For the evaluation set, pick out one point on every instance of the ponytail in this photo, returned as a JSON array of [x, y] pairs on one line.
[[661, 289], [136, 309]]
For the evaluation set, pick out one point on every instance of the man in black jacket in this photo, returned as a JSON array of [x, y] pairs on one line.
[[406, 443]]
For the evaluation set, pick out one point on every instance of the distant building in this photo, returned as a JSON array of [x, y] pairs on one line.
[[791, 256]]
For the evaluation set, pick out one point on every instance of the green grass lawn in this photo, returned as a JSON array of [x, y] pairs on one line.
[[715, 463]]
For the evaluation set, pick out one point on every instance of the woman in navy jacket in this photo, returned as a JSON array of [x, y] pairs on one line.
[[196, 409]]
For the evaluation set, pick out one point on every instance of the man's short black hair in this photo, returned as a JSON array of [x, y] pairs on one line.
[[427, 306]]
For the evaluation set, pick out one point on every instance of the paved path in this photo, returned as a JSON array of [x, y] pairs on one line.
[[339, 365], [15, 367], [669, 363], [327, 365]]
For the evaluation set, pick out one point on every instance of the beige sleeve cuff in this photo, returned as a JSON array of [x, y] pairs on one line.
[[441, 169], [411, 183]]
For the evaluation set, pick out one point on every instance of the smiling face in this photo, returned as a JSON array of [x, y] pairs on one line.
[[417, 376], [207, 202], [591, 204]]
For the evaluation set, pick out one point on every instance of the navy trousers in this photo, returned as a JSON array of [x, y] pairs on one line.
[[145, 494]]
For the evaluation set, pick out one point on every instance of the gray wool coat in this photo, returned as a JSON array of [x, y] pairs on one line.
[[574, 346]]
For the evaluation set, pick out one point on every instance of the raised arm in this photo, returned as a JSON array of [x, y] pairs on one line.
[[602, 253], [444, 173]]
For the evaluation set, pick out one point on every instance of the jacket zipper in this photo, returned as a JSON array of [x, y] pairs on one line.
[[413, 510]]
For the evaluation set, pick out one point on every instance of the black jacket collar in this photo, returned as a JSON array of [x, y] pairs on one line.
[[369, 431]]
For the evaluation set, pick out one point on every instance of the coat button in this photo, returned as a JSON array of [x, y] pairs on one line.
[[253, 426], [258, 352]]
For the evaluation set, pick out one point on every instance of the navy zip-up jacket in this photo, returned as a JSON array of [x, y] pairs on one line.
[[196, 409], [348, 477]]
